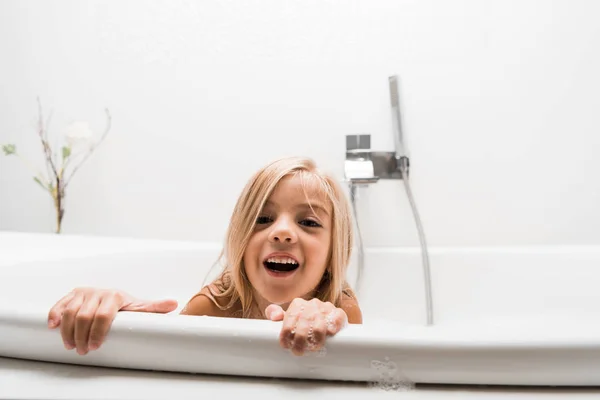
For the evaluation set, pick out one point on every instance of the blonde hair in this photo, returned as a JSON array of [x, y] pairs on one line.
[[233, 284]]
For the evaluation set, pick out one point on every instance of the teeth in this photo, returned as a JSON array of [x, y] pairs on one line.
[[281, 260]]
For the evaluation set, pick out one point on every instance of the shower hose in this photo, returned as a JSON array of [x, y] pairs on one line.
[[404, 167]]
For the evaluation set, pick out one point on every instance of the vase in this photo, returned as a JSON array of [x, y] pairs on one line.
[[59, 210]]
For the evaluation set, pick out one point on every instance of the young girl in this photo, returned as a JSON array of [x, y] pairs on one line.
[[286, 254]]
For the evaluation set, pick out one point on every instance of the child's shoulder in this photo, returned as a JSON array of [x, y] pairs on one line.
[[213, 299], [349, 303]]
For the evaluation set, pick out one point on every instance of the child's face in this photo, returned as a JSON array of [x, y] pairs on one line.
[[288, 251]]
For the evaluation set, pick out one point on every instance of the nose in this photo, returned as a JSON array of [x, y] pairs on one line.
[[283, 231]]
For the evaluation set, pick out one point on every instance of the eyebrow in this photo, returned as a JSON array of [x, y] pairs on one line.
[[315, 205]]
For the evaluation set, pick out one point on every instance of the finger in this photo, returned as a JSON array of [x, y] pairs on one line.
[[288, 328], [67, 326], [159, 306], [105, 314], [335, 320], [316, 338], [274, 312], [55, 313], [300, 340], [83, 321]]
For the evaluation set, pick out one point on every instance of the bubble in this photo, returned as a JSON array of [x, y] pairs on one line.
[[311, 338], [389, 376], [329, 321], [322, 352]]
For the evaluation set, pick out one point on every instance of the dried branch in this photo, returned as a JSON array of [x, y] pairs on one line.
[[48, 170], [91, 149], [56, 183], [43, 137], [71, 159], [47, 125], [37, 175]]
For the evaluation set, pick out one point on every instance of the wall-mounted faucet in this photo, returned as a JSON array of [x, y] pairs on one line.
[[364, 167], [358, 167]]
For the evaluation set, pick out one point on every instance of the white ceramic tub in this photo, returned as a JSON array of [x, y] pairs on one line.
[[504, 316]]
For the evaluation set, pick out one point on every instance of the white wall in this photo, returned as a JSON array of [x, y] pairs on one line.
[[500, 103]]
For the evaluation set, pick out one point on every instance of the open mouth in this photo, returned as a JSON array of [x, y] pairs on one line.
[[281, 264]]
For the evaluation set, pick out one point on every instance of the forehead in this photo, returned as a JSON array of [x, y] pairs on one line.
[[301, 188]]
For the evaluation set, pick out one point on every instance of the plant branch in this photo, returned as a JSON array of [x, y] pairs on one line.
[[43, 137], [36, 173], [69, 160], [47, 125], [92, 148]]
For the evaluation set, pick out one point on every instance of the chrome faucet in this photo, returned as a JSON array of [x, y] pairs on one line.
[[358, 167], [364, 167]]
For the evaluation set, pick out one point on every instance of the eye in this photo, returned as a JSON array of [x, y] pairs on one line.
[[310, 223], [263, 220]]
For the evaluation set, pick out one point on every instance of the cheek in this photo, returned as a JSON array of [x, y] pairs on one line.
[[319, 250], [252, 250]]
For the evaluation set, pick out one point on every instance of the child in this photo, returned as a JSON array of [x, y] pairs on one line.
[[286, 254]]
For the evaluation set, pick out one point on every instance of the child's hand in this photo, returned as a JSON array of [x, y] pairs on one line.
[[86, 314], [306, 324]]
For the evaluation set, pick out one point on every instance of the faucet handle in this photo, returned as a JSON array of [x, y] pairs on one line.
[[358, 143], [358, 167], [363, 165]]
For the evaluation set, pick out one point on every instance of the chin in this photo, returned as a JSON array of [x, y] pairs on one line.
[[278, 298]]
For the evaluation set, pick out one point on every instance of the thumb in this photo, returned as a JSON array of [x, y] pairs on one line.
[[274, 312], [154, 306]]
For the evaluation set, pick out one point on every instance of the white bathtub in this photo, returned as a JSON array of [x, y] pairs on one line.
[[526, 316]]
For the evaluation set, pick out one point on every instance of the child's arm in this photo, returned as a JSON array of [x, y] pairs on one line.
[[352, 310], [200, 304]]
